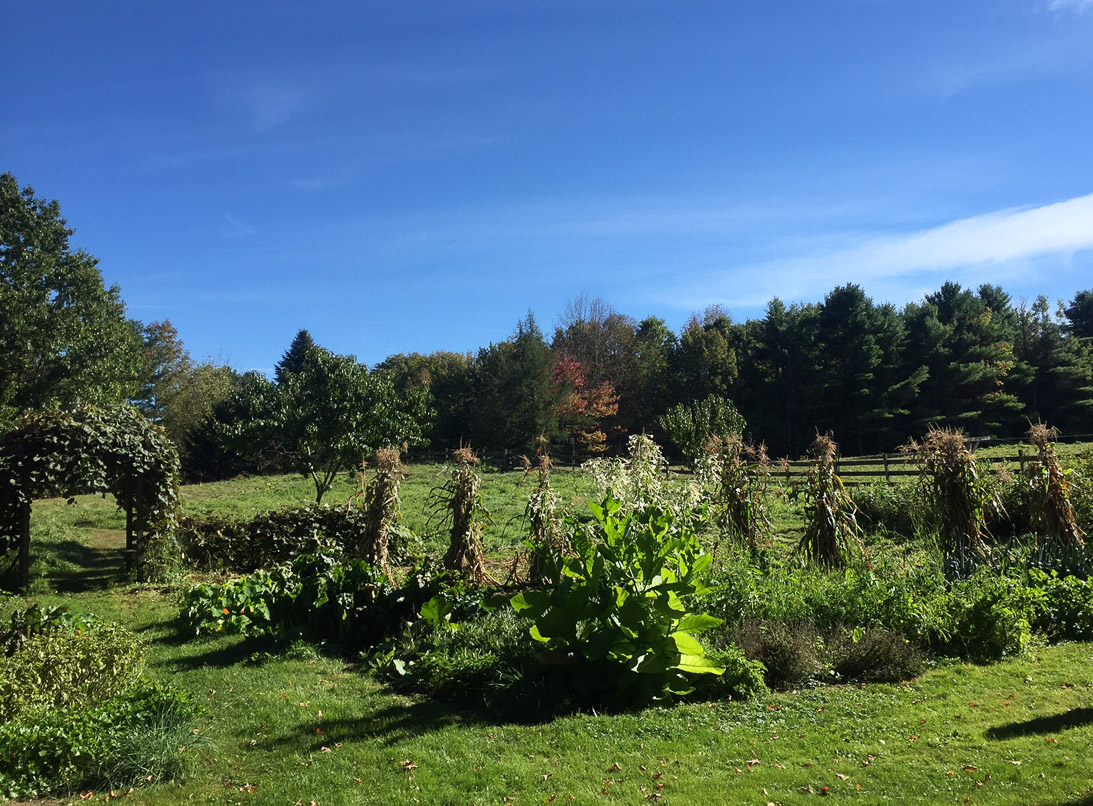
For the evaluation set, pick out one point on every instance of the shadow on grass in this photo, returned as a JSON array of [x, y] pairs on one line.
[[95, 569], [393, 724], [1074, 718]]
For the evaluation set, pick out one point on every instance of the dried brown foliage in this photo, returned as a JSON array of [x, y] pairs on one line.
[[831, 527], [381, 506], [959, 499], [1052, 512], [462, 496], [546, 535], [737, 477]]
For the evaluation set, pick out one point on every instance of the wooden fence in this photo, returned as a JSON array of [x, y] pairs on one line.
[[851, 469]]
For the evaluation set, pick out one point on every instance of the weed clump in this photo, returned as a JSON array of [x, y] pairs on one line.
[[789, 651]]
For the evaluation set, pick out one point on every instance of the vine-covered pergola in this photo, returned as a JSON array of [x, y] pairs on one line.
[[112, 450]]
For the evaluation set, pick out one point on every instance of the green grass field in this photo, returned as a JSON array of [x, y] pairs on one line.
[[296, 727]]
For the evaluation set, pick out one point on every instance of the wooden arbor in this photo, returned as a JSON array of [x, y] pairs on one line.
[[91, 450]]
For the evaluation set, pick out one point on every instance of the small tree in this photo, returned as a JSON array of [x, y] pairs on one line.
[[691, 426], [831, 526], [327, 416]]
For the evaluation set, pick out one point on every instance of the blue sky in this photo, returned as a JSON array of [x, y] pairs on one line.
[[416, 176]]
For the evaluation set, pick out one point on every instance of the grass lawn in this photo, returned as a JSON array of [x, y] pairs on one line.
[[297, 727]]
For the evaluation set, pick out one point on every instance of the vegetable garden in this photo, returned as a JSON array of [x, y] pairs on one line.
[[622, 633]]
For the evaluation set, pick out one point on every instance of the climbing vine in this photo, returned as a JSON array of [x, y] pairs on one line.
[[91, 450]]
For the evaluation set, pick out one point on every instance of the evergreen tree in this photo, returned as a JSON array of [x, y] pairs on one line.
[[513, 391], [967, 353], [293, 360]]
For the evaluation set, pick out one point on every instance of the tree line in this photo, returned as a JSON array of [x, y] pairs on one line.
[[869, 374]]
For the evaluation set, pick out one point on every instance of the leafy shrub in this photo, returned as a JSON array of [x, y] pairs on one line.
[[273, 537], [986, 618], [888, 508], [315, 597], [32, 620], [874, 655], [1066, 608], [621, 602], [140, 736], [486, 661], [691, 426], [789, 651], [62, 667], [741, 680]]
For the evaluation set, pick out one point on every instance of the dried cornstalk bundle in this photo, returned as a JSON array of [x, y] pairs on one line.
[[462, 493], [1052, 512], [381, 506], [958, 498], [831, 517], [736, 475], [546, 536]]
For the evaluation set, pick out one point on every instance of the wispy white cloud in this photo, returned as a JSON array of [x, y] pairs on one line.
[[1078, 6], [236, 228], [990, 247]]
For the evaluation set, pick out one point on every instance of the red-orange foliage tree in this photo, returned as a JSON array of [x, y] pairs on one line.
[[581, 412]]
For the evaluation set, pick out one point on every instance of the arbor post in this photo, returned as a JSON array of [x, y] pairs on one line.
[[24, 547], [140, 538]]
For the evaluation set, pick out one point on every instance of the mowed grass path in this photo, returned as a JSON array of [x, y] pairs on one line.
[[303, 728]]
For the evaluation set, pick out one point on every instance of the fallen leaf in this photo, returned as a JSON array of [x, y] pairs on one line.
[[970, 768], [842, 777]]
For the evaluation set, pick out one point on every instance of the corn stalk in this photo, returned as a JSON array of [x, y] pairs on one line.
[[381, 507], [831, 525], [462, 496], [1052, 512]]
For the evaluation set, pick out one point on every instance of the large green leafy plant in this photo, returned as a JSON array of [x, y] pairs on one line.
[[619, 607]]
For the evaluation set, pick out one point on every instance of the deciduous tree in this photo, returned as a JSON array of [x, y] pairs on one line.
[[64, 336]]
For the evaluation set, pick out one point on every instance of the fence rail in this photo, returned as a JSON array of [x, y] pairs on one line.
[[852, 469]]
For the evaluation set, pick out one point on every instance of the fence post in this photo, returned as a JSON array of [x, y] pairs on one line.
[[573, 453], [1021, 459], [887, 478]]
